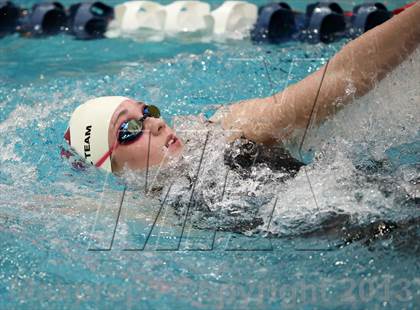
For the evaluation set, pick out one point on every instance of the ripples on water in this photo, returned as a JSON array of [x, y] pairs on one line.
[[360, 164], [362, 136], [353, 178]]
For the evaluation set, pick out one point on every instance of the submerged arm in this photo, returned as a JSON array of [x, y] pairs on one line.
[[357, 67]]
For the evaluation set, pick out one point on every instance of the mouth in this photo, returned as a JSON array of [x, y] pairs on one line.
[[170, 140]]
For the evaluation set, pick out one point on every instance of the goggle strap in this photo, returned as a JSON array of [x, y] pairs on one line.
[[101, 160]]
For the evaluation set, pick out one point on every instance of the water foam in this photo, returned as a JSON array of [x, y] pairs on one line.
[[351, 178]]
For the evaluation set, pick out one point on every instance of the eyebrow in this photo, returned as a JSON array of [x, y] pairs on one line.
[[122, 112], [119, 115]]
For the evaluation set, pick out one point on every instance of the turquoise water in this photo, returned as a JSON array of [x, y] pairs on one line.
[[325, 247]]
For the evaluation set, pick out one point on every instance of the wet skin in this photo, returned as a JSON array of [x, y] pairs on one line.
[[155, 146]]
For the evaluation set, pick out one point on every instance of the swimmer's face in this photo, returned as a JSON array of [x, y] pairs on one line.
[[155, 146]]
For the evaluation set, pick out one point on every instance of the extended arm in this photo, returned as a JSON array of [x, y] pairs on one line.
[[351, 73]]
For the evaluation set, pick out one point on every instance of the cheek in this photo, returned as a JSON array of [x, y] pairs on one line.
[[138, 154], [157, 151]]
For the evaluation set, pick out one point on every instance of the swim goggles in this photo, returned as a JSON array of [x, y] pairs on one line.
[[131, 130]]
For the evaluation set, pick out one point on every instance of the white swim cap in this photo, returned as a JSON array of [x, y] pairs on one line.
[[89, 125]]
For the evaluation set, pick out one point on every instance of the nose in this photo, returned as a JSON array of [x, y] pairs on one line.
[[155, 125]]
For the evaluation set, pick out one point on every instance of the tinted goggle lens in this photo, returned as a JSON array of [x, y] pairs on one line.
[[129, 131], [151, 111], [132, 129]]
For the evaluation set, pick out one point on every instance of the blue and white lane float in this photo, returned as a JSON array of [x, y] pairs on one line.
[[48, 18], [367, 16], [234, 19], [275, 22], [142, 19], [9, 15], [89, 20], [325, 22], [188, 17]]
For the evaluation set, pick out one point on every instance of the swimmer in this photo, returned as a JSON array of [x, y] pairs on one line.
[[114, 133]]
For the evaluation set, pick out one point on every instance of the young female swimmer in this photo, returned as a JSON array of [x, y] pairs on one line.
[[109, 131]]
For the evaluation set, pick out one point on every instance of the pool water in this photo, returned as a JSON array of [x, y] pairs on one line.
[[344, 232]]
